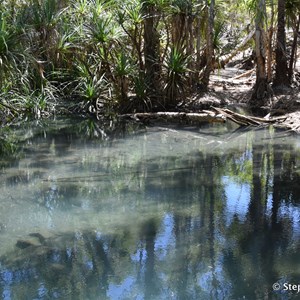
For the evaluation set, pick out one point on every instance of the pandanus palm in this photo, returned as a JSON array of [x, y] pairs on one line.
[[123, 70], [102, 36], [40, 21], [41, 24], [130, 18], [181, 12], [176, 69], [91, 89], [10, 51]]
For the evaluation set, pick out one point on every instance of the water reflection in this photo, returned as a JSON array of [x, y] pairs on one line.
[[167, 214]]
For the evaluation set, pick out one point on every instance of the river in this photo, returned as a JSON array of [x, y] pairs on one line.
[[159, 213]]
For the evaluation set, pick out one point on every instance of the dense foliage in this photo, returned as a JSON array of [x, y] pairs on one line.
[[107, 56]]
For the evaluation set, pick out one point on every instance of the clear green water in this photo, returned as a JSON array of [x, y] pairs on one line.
[[162, 214]]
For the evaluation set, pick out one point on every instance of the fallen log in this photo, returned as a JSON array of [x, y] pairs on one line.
[[291, 123], [224, 60], [243, 120], [215, 115], [177, 117], [245, 74]]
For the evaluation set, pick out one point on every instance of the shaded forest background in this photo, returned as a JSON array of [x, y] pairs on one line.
[[109, 56]]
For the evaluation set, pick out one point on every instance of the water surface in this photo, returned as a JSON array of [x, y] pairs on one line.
[[166, 213]]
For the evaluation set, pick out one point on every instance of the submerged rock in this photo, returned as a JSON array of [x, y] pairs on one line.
[[23, 244], [35, 239]]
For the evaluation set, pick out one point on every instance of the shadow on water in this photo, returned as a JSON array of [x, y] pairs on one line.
[[161, 215]]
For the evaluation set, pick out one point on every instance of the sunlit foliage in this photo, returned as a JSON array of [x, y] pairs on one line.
[[98, 55]]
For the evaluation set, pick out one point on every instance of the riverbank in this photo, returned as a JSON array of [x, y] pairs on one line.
[[230, 88]]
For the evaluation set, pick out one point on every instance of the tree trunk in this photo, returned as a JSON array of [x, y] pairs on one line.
[[270, 48], [178, 30], [209, 46], [151, 52], [294, 51], [281, 74], [260, 92], [190, 51], [198, 47]]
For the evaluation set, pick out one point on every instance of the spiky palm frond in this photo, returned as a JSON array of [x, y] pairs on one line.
[[123, 64], [177, 68], [11, 53]]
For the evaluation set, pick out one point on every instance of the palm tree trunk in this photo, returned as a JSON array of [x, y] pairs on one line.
[[260, 92], [294, 51], [209, 47], [151, 52], [198, 47], [270, 39], [281, 73]]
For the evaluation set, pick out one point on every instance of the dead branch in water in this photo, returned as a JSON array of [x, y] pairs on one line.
[[246, 120], [217, 115]]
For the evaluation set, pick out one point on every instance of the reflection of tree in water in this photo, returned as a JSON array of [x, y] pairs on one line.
[[148, 234], [263, 249], [208, 259], [69, 266], [86, 263]]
